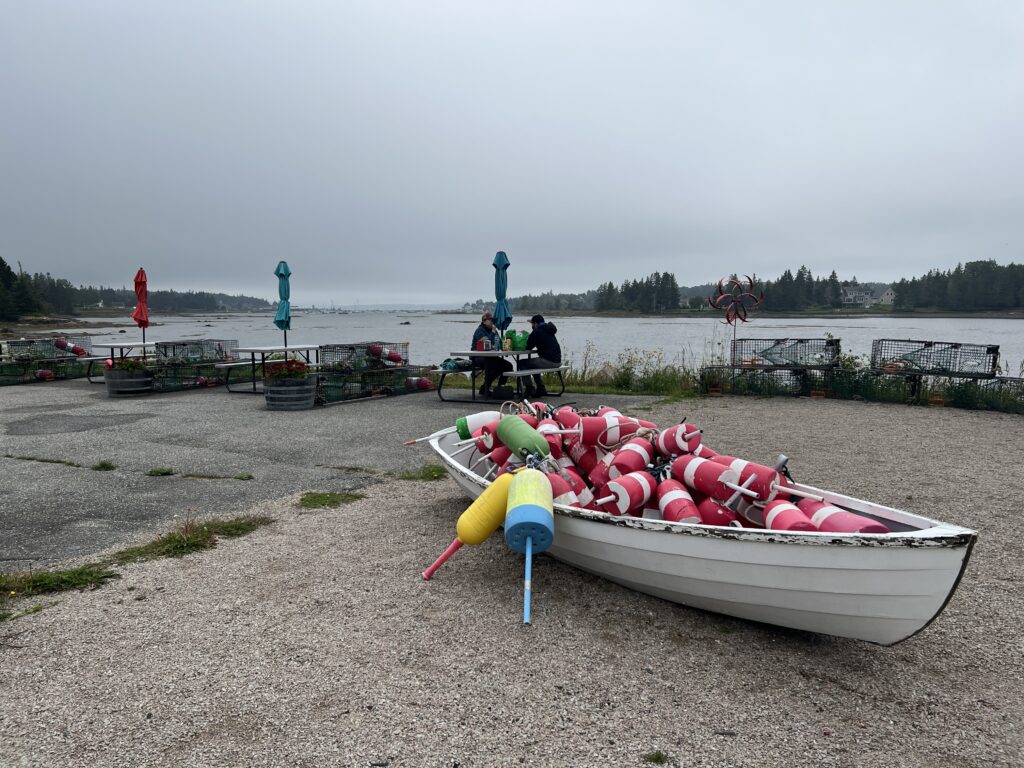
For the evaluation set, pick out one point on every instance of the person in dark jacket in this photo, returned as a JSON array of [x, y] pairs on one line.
[[493, 367], [549, 353]]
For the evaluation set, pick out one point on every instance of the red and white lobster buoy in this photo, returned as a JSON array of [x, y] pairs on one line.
[[780, 515], [45, 374], [599, 475], [604, 431], [67, 346], [676, 503], [586, 457], [677, 440], [831, 519], [767, 483], [708, 477], [418, 383], [549, 429], [714, 513], [632, 456], [567, 417], [381, 352], [580, 488], [627, 494], [561, 491]]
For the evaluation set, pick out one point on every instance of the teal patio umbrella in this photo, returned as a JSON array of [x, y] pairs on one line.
[[283, 318], [502, 313]]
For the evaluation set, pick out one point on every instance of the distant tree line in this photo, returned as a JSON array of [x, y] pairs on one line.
[[974, 286], [22, 294], [658, 292]]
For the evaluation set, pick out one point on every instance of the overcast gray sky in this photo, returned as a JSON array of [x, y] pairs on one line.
[[388, 149]]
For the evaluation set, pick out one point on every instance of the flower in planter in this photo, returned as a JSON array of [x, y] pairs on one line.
[[289, 369]]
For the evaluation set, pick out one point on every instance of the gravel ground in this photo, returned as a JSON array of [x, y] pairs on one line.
[[314, 641]]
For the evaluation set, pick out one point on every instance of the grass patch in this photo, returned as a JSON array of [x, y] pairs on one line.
[[657, 757], [244, 476], [190, 537], [42, 582], [42, 460], [428, 472], [161, 472], [322, 499], [103, 466]]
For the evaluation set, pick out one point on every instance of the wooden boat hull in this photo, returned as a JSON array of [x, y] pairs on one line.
[[882, 588]]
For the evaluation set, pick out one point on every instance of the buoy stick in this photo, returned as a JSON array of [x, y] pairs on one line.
[[526, 582], [606, 499], [693, 434], [741, 488], [462, 450], [797, 492], [428, 437], [452, 549], [466, 442]]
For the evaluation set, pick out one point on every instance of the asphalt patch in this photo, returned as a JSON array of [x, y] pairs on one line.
[[59, 424]]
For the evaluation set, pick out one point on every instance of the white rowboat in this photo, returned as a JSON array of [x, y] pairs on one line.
[[882, 588]]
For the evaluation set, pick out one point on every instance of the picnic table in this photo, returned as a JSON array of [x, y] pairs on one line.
[[516, 374], [258, 357], [119, 350]]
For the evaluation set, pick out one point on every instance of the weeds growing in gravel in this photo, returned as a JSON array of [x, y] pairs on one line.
[[322, 499], [191, 536], [428, 472], [161, 472], [657, 757], [42, 460], [103, 466]]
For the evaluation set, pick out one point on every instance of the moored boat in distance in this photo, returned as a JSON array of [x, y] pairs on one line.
[[879, 587]]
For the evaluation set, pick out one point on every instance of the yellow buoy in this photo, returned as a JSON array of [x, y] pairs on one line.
[[486, 513]]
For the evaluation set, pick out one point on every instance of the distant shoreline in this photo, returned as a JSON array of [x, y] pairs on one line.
[[46, 325]]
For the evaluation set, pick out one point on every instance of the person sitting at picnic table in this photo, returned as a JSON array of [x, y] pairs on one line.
[[493, 367], [549, 353]]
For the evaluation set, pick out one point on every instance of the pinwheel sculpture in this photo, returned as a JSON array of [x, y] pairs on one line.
[[735, 299]]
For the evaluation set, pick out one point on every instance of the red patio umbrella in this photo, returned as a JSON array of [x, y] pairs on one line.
[[141, 312]]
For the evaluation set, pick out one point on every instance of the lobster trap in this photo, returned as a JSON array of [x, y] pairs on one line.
[[785, 353], [364, 356], [336, 387], [936, 358], [48, 349], [197, 350]]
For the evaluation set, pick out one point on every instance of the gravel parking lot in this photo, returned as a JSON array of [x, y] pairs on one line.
[[315, 642]]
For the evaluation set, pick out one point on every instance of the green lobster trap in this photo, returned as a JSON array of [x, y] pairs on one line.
[[935, 358], [785, 353]]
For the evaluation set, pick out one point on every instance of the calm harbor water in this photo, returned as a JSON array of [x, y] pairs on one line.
[[688, 341]]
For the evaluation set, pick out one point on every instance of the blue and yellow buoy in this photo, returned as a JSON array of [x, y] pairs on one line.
[[529, 521]]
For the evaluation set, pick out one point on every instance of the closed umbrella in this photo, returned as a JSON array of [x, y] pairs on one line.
[[502, 313], [283, 318], [141, 312]]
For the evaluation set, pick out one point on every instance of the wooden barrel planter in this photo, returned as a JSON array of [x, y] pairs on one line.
[[128, 383], [290, 394]]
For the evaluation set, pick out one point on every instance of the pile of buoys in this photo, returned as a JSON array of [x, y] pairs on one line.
[[603, 460]]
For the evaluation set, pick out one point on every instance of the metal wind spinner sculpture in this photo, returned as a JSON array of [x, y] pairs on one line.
[[735, 298]]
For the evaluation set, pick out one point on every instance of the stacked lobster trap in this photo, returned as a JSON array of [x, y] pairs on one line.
[[190, 363], [368, 369], [44, 359]]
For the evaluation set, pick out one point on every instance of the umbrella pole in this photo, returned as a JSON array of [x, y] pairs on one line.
[[286, 339], [143, 342]]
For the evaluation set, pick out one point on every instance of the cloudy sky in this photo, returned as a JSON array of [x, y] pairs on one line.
[[388, 149]]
